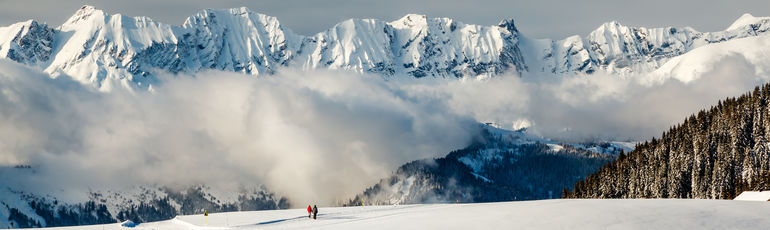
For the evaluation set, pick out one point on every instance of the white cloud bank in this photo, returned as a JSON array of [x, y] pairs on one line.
[[316, 137]]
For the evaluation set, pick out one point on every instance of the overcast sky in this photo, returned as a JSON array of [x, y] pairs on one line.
[[538, 19]]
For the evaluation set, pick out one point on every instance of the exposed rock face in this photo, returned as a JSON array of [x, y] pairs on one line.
[[107, 51], [27, 42]]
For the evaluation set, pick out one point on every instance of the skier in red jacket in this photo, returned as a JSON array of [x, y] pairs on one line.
[[309, 211]]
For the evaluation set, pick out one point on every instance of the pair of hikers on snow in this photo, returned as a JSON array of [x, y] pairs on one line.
[[312, 211]]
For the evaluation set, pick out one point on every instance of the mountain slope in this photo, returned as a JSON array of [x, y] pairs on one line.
[[24, 209], [692, 65], [26, 42], [499, 166], [616, 48], [109, 51], [715, 154]]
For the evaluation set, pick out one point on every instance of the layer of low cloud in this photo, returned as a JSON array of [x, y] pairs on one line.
[[596, 107], [313, 136]]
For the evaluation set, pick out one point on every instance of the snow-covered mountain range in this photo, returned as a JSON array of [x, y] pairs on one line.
[[24, 209], [107, 51]]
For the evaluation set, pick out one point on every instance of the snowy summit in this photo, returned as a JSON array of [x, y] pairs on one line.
[[108, 51]]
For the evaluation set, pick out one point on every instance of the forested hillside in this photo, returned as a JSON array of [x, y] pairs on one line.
[[714, 154], [497, 166]]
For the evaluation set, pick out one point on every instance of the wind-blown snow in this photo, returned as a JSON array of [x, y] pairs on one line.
[[544, 214]]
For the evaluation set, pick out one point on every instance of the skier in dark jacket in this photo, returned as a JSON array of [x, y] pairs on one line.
[[309, 211], [315, 211]]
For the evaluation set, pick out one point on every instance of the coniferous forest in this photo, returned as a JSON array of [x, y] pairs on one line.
[[714, 154]]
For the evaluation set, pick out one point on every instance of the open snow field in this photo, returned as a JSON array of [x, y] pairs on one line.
[[543, 214]]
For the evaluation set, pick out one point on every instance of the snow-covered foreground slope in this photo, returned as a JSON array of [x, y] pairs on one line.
[[543, 214]]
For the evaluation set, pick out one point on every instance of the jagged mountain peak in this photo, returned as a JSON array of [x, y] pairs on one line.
[[508, 24], [235, 19], [93, 18], [616, 28], [27, 42], [241, 17], [95, 47], [85, 13], [410, 20], [28, 23], [19, 29], [419, 22], [611, 27], [244, 12]]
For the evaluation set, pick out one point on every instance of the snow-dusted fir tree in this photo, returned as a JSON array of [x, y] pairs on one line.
[[715, 154]]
